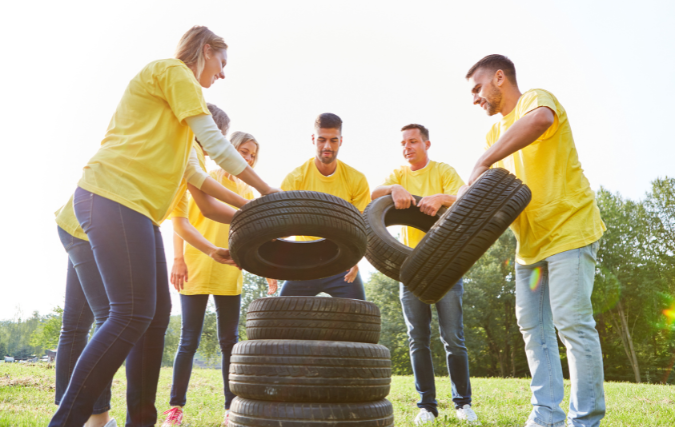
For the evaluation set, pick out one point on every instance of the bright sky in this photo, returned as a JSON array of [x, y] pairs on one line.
[[377, 64]]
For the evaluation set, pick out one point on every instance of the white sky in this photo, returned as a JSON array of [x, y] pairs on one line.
[[377, 64]]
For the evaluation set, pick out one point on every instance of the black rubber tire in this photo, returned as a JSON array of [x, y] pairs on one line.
[[384, 252], [257, 231], [463, 234], [313, 318], [310, 371], [254, 413]]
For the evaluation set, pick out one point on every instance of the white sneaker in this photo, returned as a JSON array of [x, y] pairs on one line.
[[532, 423], [226, 420], [465, 413], [111, 423], [424, 417]]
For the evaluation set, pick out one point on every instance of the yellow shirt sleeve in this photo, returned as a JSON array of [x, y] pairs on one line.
[[289, 182], [362, 195], [182, 92], [535, 99], [451, 180], [393, 179]]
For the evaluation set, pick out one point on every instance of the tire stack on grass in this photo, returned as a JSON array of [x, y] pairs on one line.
[[311, 361]]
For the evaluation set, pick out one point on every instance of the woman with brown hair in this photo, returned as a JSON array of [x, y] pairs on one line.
[[126, 191]]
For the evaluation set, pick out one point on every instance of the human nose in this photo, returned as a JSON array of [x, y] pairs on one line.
[[476, 99]]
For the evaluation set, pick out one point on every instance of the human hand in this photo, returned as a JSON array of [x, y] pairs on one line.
[[179, 274], [463, 189], [478, 170], [272, 285], [431, 204], [402, 198], [223, 256], [271, 190], [351, 274]]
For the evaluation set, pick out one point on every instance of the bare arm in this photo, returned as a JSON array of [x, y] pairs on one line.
[[249, 176], [431, 204], [215, 189], [210, 207], [179, 271], [402, 198], [189, 233], [524, 132]]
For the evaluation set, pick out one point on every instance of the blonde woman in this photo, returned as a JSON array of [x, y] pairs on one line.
[[126, 190], [207, 278]]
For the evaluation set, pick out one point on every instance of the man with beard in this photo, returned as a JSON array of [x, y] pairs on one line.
[[325, 173], [557, 237], [438, 184]]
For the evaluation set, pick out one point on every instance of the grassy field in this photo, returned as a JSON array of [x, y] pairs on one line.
[[27, 395]]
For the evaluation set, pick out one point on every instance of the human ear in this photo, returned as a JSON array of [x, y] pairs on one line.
[[207, 51]]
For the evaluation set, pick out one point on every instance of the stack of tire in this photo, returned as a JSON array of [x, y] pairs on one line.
[[311, 361], [456, 238]]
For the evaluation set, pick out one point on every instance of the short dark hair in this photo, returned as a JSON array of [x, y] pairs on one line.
[[493, 63], [424, 131], [328, 121]]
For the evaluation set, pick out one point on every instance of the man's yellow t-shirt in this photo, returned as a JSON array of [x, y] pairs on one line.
[[563, 214], [346, 183], [143, 156], [434, 178], [206, 276]]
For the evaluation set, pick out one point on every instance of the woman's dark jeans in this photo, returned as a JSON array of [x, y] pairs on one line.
[[86, 300], [129, 253], [193, 308]]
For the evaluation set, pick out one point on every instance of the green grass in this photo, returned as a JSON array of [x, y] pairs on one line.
[[27, 396]]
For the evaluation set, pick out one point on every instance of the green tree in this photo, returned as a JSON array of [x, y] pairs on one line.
[[46, 335]]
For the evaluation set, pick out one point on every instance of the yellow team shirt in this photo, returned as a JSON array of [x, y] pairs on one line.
[[66, 219], [346, 183], [205, 276], [434, 178], [563, 214], [143, 156]]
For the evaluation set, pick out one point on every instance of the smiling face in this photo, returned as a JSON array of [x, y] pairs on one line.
[[214, 62], [486, 90], [328, 142], [249, 151], [414, 147]]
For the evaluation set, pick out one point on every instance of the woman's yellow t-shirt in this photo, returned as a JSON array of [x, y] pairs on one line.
[[143, 156], [434, 178], [563, 214], [206, 276]]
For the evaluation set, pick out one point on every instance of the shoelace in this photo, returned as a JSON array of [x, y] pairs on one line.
[[175, 414]]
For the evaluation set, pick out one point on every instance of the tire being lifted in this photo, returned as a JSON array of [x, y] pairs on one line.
[[257, 231], [384, 252], [310, 371], [463, 234], [252, 413], [313, 318]]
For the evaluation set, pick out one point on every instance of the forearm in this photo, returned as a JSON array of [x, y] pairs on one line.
[[447, 199], [210, 207], [177, 244], [249, 176], [215, 189], [215, 144], [189, 233], [382, 190], [523, 133]]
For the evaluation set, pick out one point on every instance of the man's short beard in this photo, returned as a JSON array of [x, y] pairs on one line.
[[327, 161], [494, 101]]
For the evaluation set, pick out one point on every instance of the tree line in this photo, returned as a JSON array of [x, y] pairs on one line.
[[633, 301]]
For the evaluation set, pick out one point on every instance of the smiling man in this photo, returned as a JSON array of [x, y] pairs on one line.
[[438, 184], [557, 237], [325, 173]]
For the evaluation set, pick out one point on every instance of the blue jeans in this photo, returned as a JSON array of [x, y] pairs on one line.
[[451, 325], [193, 309], [334, 286], [86, 300], [556, 293], [129, 253]]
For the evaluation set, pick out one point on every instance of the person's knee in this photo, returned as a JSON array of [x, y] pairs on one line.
[[188, 345], [226, 344]]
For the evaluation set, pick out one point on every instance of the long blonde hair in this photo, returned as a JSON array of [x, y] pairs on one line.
[[190, 48]]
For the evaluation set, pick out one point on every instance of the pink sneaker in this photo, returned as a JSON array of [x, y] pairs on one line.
[[174, 418]]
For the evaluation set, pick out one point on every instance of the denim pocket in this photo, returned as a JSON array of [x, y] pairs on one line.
[[83, 203]]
